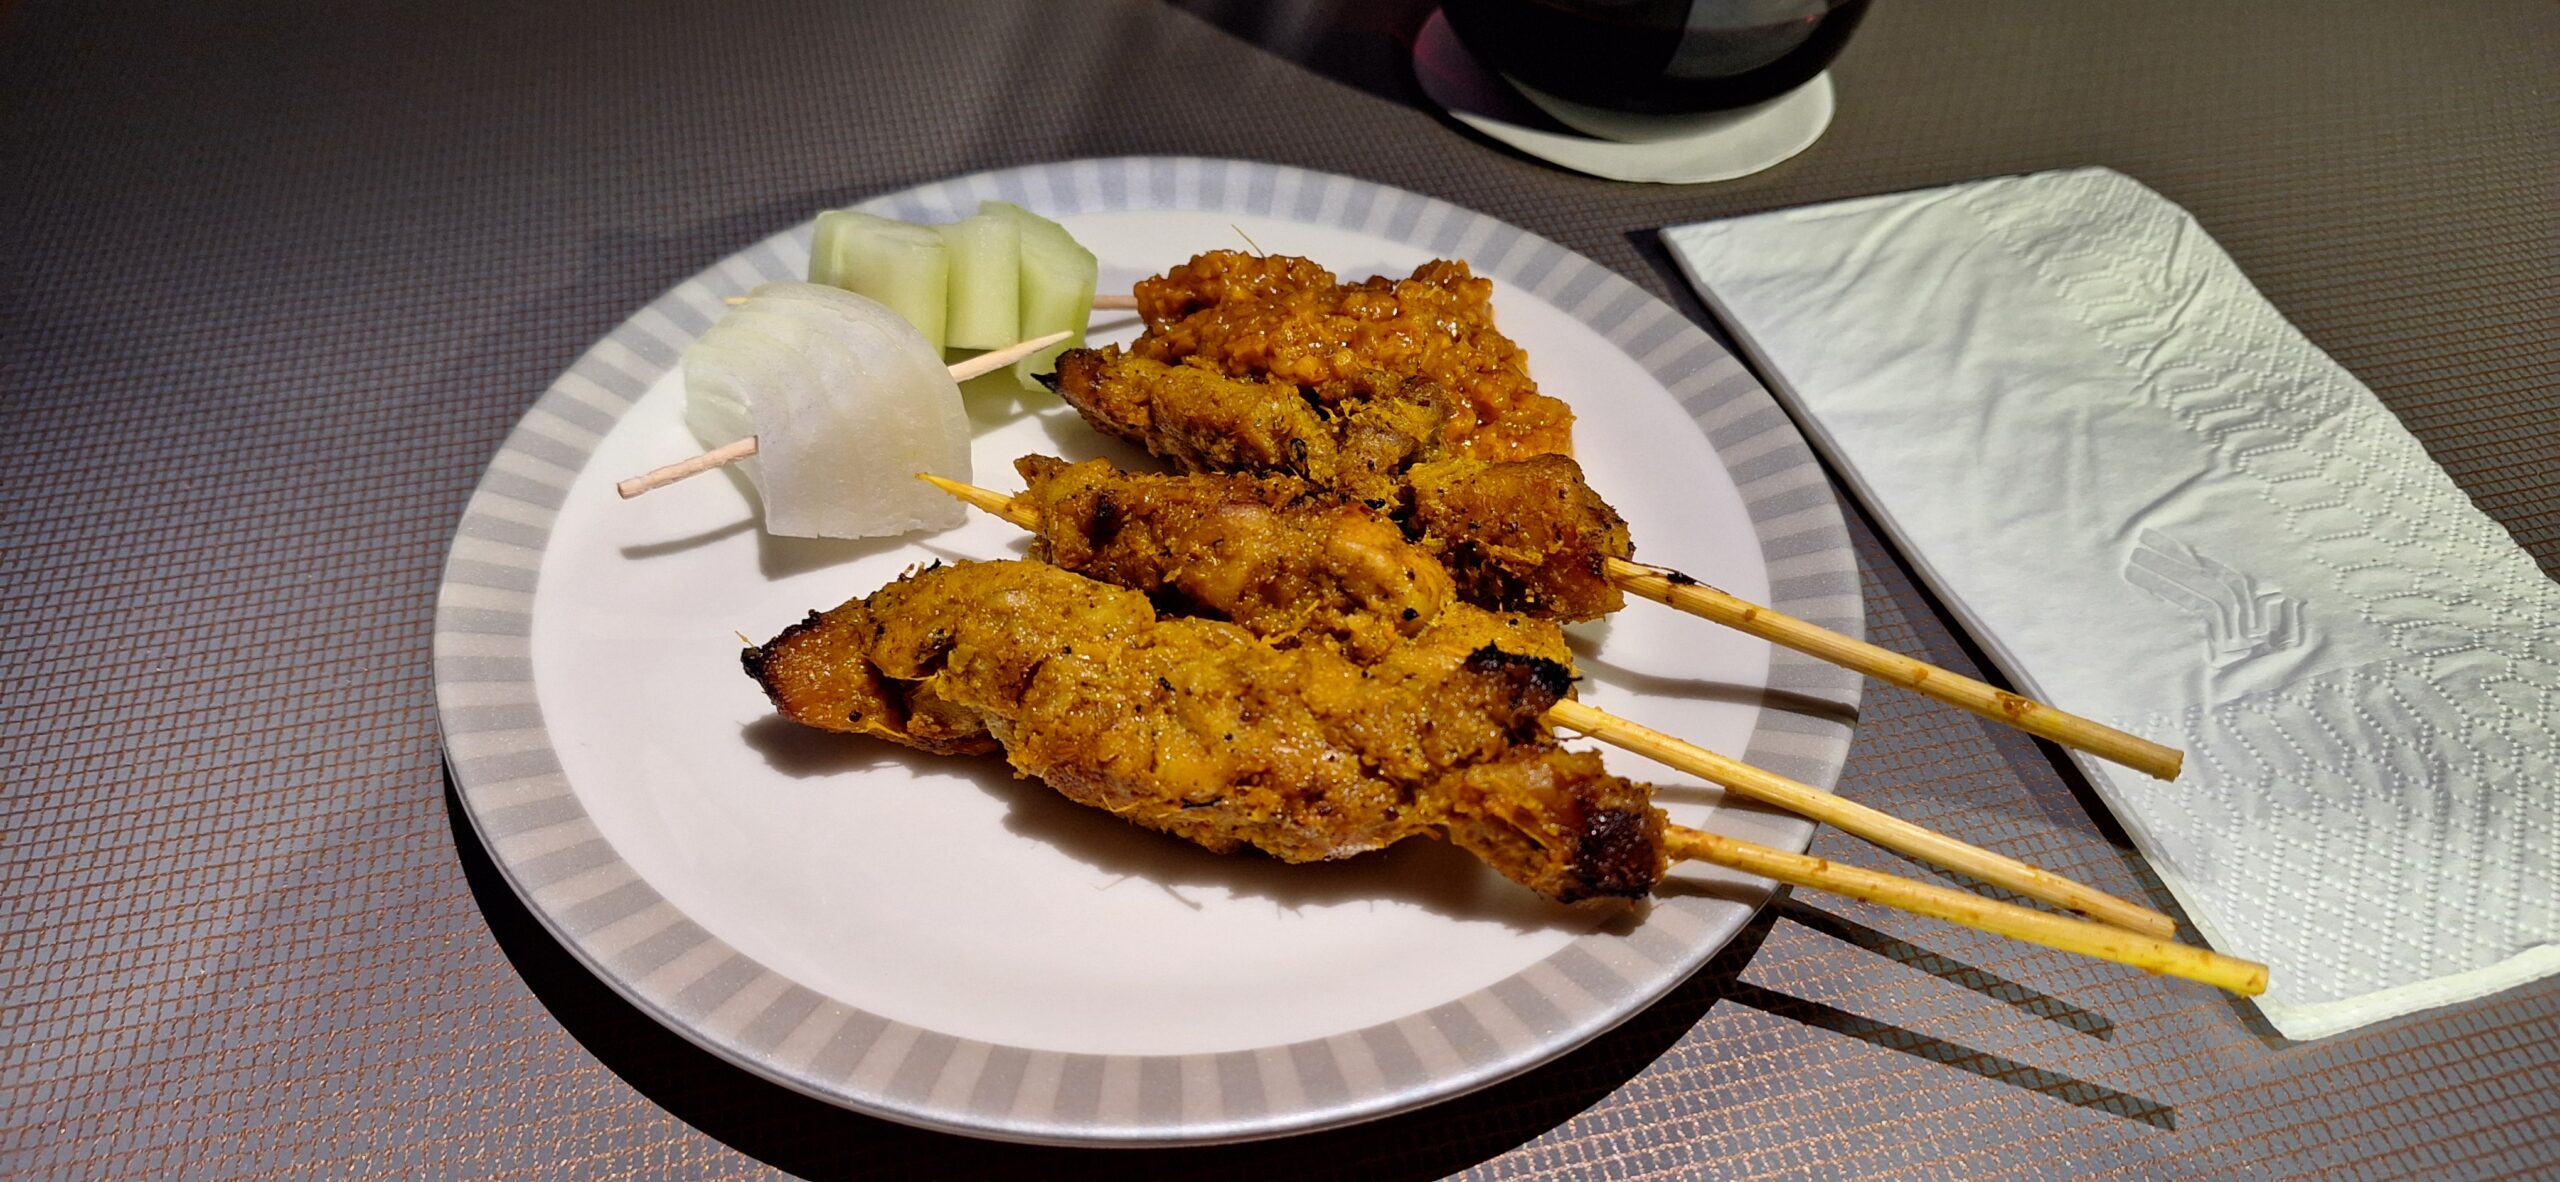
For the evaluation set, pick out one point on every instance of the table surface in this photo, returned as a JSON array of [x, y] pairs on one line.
[[279, 277]]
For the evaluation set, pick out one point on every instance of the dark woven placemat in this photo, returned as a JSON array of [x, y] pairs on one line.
[[274, 279]]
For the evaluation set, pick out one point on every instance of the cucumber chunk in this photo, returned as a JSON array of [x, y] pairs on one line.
[[1057, 282], [986, 282], [899, 264]]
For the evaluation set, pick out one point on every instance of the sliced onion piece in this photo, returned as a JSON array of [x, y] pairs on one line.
[[847, 402]]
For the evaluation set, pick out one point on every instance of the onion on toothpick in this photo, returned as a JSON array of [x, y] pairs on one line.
[[849, 402]]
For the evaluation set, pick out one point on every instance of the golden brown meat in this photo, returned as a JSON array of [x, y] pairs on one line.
[[1275, 554], [1520, 535], [1198, 729], [1356, 436], [1289, 320], [1528, 535], [818, 672]]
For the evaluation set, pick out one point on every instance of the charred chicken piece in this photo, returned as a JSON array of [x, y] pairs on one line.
[[1290, 321], [1275, 554], [1355, 436], [1526, 535], [1198, 729], [1519, 535]]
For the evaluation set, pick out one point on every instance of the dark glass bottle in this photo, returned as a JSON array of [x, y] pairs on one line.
[[1657, 57]]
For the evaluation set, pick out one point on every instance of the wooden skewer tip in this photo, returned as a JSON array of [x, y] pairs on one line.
[[995, 359], [721, 456], [1955, 689], [2242, 977], [986, 499]]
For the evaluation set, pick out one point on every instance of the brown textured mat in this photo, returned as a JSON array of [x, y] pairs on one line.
[[278, 277]]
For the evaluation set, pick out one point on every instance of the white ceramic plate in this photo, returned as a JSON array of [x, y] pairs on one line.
[[929, 940]]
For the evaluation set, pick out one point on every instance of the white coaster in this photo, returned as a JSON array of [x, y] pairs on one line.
[[1674, 150]]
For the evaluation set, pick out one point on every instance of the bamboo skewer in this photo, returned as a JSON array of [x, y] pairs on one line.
[[736, 450], [1885, 830], [718, 457], [2243, 977], [1858, 820], [1883, 664]]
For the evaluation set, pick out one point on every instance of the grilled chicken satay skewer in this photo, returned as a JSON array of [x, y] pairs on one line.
[[1201, 730], [1233, 314], [1282, 559], [739, 449], [1529, 532]]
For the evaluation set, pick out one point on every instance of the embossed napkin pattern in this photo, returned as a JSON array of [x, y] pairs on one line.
[[2154, 502]]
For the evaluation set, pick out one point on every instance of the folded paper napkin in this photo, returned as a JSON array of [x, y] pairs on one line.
[[2155, 504]]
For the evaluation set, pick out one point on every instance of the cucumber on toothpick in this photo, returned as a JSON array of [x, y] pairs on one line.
[[902, 265], [1003, 275], [986, 282], [1058, 277]]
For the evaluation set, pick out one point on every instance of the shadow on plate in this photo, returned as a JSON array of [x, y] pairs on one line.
[[1431, 875], [777, 557], [1703, 690], [677, 545], [814, 1139]]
